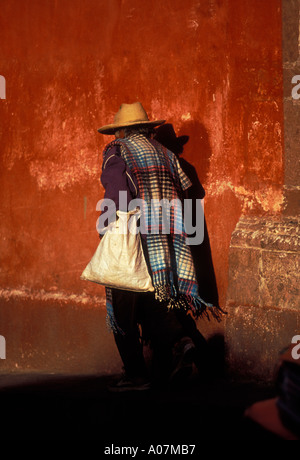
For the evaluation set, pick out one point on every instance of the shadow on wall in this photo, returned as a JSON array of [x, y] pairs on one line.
[[202, 252], [202, 256]]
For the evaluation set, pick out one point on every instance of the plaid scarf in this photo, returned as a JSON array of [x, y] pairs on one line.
[[160, 177]]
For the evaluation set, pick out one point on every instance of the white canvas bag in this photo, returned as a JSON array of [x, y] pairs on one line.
[[119, 261]]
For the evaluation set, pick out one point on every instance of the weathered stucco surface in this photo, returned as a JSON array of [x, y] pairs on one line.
[[212, 68], [263, 294]]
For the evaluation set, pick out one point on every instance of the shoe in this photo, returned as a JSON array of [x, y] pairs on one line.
[[130, 384], [184, 355]]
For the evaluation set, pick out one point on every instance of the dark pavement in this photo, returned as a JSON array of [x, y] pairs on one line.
[[50, 407]]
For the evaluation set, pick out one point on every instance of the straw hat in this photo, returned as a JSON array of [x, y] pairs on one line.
[[129, 115]]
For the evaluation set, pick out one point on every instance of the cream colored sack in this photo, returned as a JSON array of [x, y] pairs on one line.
[[119, 261]]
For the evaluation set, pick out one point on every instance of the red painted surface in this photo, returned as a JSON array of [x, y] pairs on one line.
[[211, 68]]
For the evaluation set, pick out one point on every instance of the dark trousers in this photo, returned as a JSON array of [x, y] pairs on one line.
[[160, 326]]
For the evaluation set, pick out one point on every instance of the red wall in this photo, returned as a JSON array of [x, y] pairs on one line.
[[211, 68]]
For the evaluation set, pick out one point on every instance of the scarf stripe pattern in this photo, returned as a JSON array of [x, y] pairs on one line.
[[160, 177]]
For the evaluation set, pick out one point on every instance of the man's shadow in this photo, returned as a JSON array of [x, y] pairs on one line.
[[201, 253]]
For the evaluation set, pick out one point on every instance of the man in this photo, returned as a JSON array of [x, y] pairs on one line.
[[140, 166]]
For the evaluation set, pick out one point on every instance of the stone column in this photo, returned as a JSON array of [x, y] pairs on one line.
[[263, 295]]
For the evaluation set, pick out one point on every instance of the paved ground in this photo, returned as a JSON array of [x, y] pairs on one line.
[[54, 407]]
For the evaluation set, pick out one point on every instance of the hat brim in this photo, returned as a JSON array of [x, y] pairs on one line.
[[266, 414], [111, 129]]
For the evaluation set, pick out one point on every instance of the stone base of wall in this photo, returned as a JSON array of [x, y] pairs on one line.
[[263, 295], [52, 333]]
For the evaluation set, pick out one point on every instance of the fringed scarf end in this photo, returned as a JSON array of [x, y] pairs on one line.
[[163, 292], [111, 322], [198, 307], [112, 325], [207, 309]]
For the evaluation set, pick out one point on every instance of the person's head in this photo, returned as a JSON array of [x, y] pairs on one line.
[[129, 117], [131, 130]]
